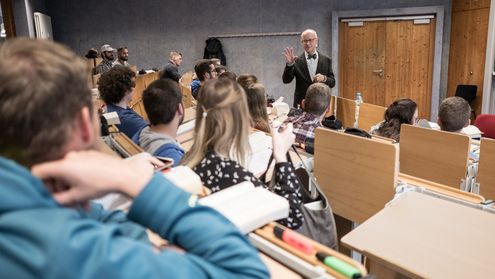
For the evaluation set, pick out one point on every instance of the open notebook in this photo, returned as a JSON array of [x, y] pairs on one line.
[[248, 207]]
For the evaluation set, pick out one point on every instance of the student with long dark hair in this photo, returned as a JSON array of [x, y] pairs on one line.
[[402, 111]]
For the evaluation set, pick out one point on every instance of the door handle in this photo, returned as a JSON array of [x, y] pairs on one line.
[[378, 72]]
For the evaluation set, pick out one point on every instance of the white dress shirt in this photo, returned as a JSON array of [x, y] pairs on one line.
[[312, 64]]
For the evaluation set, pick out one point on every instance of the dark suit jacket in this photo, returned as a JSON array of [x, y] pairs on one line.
[[303, 80], [171, 71]]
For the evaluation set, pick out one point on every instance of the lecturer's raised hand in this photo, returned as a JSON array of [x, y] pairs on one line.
[[289, 55], [89, 174]]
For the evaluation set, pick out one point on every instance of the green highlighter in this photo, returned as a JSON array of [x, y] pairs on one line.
[[339, 265]]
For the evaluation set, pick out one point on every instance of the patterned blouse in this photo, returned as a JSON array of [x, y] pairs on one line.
[[218, 173]]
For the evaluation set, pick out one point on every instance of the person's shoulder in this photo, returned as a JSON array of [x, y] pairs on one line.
[[323, 56]]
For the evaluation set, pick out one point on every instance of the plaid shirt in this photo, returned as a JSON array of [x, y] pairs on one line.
[[103, 67], [304, 126]]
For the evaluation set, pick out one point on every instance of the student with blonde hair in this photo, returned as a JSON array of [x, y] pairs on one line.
[[221, 149], [256, 99]]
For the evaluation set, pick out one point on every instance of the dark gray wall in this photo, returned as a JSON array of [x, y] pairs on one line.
[[23, 19], [153, 28]]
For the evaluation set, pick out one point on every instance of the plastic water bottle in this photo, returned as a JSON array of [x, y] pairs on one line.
[[358, 101]]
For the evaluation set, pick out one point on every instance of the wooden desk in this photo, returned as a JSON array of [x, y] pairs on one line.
[[125, 145], [189, 114], [142, 82], [437, 156], [369, 114], [277, 270], [441, 189], [358, 175], [418, 235], [486, 168]]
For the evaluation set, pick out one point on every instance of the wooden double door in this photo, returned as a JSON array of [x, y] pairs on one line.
[[386, 60]]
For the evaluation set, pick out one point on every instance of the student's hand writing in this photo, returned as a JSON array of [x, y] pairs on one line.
[[90, 174], [282, 141]]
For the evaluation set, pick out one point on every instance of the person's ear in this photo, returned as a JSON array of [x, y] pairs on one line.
[[302, 103], [86, 126], [467, 123], [83, 134], [180, 109]]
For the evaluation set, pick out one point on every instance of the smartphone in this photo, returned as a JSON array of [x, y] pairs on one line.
[[167, 163]]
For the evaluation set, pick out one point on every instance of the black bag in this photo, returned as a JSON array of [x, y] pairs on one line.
[[357, 132], [332, 123], [319, 223]]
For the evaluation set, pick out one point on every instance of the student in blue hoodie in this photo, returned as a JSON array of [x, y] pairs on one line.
[[162, 101], [47, 227]]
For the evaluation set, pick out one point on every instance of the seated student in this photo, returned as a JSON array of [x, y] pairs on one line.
[[205, 70], [116, 88], [230, 75], [453, 114], [315, 106], [163, 104], [256, 99], [246, 80], [46, 233], [221, 147], [171, 69], [402, 111], [220, 69]]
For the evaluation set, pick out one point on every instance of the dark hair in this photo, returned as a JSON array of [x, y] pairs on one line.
[[220, 68], [43, 87], [317, 99], [256, 99], [120, 49], [229, 75], [161, 100], [114, 84], [399, 112], [453, 113], [201, 68], [246, 80]]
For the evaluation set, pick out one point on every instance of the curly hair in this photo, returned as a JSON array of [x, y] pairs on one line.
[[114, 84]]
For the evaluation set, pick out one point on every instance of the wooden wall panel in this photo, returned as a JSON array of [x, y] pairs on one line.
[[467, 51], [464, 5], [409, 63], [362, 52]]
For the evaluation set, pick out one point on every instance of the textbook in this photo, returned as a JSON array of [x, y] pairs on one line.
[[248, 207]]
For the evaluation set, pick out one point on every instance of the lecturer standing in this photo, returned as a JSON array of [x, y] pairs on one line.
[[308, 68]]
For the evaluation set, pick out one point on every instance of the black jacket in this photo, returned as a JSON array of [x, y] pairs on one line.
[[303, 80], [214, 49]]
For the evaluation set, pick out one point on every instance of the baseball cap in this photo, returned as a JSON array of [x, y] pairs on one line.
[[107, 48]]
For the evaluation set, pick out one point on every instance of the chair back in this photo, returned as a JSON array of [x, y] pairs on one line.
[[467, 92], [486, 124]]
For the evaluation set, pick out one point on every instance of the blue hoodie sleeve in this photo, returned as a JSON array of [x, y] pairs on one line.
[[171, 150], [215, 248], [117, 218]]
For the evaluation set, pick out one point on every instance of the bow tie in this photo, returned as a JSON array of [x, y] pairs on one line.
[[312, 56]]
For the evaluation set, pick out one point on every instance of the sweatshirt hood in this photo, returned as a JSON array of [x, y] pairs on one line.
[[151, 141], [19, 189]]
